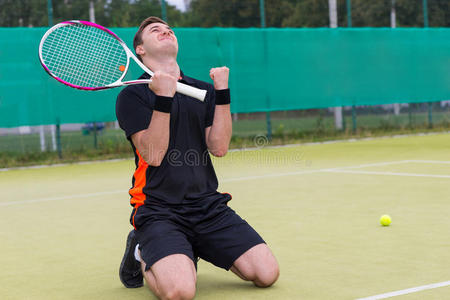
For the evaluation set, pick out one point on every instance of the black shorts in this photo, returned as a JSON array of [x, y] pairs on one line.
[[207, 229]]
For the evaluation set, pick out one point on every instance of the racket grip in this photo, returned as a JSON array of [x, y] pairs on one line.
[[191, 91]]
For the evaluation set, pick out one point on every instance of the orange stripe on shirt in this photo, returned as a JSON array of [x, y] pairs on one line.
[[136, 193], [135, 211]]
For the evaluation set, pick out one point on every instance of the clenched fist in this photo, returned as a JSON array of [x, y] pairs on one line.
[[163, 84], [220, 77]]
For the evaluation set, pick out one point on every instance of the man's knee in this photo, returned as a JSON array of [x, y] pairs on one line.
[[179, 292], [172, 277], [267, 276], [259, 265]]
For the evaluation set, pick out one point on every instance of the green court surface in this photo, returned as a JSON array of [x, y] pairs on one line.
[[63, 228]]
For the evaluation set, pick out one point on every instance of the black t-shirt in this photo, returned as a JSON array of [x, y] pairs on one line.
[[186, 173]]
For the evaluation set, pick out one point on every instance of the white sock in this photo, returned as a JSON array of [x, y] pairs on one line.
[[137, 255]]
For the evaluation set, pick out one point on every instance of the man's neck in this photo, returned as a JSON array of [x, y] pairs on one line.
[[168, 65]]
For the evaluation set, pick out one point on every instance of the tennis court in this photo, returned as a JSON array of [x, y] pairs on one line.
[[63, 228]]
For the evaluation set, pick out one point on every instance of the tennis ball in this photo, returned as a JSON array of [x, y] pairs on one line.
[[385, 220], [121, 68]]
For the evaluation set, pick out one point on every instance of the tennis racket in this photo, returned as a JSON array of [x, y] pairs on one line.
[[87, 56]]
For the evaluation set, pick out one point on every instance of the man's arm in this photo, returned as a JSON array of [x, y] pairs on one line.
[[218, 135], [152, 143]]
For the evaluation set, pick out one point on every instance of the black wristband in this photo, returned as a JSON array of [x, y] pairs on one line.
[[163, 104], [223, 97]]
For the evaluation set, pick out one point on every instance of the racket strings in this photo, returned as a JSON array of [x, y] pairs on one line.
[[84, 55], [86, 71]]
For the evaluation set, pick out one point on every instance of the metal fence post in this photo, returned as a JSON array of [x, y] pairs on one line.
[[349, 13], [349, 24], [425, 24], [58, 138], [425, 13], [163, 10], [95, 135], [50, 12], [338, 122], [354, 124], [263, 25]]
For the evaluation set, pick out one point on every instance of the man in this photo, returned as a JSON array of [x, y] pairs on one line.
[[178, 216]]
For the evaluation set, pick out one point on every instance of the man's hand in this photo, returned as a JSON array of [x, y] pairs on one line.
[[163, 84], [220, 77]]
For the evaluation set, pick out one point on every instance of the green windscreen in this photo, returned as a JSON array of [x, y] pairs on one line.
[[270, 69]]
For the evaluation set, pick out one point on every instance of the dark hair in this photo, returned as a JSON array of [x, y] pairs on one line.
[[138, 36]]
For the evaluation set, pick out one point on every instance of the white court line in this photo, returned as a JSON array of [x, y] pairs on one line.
[[61, 198], [124, 191], [333, 170], [387, 163], [65, 164], [386, 173], [407, 291], [429, 161], [271, 175], [393, 163], [312, 171]]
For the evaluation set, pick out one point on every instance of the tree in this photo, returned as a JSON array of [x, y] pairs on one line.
[[23, 13], [226, 13], [374, 13], [306, 13], [231, 13]]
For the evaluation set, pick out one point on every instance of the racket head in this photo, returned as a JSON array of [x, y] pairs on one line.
[[84, 55]]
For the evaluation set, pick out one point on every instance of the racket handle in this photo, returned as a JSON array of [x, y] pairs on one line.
[[191, 91]]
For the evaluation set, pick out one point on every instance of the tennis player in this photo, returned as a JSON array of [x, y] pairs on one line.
[[178, 215]]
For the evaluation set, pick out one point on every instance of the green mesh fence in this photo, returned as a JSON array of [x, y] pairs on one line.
[[271, 70]]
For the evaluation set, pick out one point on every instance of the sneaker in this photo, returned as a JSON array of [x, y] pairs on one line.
[[130, 269]]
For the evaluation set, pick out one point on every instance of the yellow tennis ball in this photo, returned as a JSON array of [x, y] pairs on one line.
[[385, 220]]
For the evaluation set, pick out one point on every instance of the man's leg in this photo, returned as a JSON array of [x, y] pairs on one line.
[[257, 264], [172, 277], [164, 258], [129, 272], [229, 242]]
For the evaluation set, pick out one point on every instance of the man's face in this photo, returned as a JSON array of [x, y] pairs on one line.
[[158, 38]]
